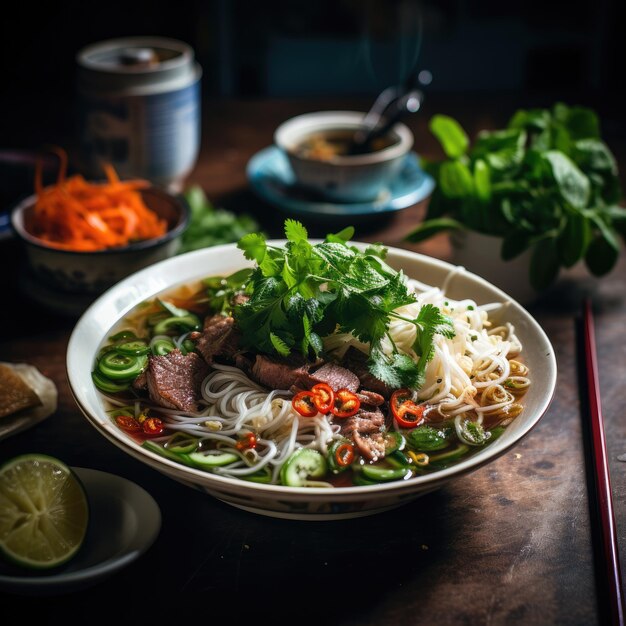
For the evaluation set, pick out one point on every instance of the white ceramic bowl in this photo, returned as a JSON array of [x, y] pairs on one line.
[[298, 502], [354, 178]]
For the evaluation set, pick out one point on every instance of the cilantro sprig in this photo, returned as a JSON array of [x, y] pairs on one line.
[[211, 226], [303, 292]]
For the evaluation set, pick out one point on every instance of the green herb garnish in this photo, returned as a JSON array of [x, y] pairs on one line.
[[473, 433], [546, 182], [302, 292], [209, 226], [221, 290], [428, 439]]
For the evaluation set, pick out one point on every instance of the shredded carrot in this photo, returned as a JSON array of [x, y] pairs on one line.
[[74, 214]]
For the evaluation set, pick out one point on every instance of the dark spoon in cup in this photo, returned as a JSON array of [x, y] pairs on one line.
[[363, 138], [391, 104]]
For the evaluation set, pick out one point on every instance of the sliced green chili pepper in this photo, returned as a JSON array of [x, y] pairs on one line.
[[334, 463], [138, 347], [362, 481], [398, 460], [182, 443], [264, 475], [189, 345], [120, 367], [444, 458], [384, 474], [124, 334], [393, 441], [161, 347], [107, 385], [181, 324], [172, 309]]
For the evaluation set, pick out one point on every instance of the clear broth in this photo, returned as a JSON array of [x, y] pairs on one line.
[[325, 146]]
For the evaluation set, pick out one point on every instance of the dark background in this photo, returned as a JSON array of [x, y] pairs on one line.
[[331, 47], [518, 52]]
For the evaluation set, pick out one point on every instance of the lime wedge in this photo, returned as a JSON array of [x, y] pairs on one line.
[[43, 511]]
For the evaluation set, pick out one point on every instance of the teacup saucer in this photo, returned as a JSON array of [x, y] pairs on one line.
[[271, 178]]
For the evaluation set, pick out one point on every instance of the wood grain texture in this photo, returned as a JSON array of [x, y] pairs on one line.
[[508, 544]]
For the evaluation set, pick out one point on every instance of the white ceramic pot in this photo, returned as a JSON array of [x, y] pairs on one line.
[[480, 254]]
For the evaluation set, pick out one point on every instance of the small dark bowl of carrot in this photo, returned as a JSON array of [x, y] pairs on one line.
[[84, 236]]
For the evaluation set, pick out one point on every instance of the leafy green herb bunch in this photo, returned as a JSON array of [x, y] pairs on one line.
[[302, 292], [547, 182]]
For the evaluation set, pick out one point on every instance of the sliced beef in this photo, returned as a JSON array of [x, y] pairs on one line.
[[278, 373], [372, 447], [370, 398], [174, 380], [219, 338], [356, 362], [365, 429], [244, 363], [141, 382], [332, 374], [364, 422]]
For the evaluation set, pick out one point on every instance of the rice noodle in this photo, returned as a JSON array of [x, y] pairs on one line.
[[468, 377]]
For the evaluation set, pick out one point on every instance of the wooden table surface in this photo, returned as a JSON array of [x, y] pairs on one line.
[[508, 544]]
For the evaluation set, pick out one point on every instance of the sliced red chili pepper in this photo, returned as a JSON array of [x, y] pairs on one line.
[[128, 423], [304, 403], [323, 397], [248, 442], [346, 404], [344, 454], [407, 413], [153, 426]]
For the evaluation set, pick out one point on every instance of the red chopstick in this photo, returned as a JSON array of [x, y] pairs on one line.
[[601, 478]]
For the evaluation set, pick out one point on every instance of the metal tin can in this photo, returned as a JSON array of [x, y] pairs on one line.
[[139, 108]]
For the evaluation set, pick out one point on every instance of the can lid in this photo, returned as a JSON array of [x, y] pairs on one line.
[[144, 57], [135, 63]]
